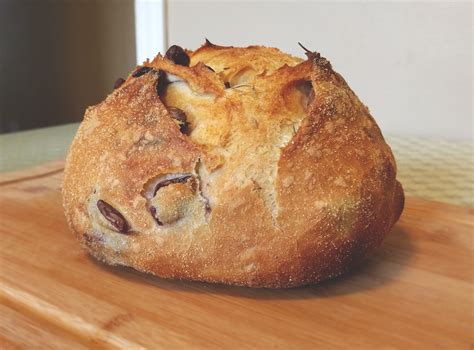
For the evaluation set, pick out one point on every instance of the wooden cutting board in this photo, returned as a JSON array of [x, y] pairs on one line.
[[416, 292]]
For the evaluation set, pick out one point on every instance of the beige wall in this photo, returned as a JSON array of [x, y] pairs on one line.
[[57, 57]]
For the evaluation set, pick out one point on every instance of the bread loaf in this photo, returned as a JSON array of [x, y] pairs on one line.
[[243, 166]]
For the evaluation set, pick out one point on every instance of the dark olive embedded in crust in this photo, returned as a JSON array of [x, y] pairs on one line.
[[140, 71], [177, 55], [153, 213], [162, 83], [179, 115], [118, 83], [113, 216]]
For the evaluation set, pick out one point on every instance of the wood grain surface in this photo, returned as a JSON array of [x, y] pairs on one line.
[[416, 292]]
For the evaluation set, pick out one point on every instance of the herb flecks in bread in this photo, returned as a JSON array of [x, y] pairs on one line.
[[244, 166]]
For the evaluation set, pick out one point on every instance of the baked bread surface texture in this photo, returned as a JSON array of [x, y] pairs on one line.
[[247, 167]]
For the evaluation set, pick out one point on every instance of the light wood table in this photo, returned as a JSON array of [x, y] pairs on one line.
[[416, 292]]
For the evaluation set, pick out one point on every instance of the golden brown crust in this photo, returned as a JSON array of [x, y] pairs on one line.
[[283, 180]]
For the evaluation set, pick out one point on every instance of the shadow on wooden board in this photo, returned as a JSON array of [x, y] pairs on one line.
[[380, 269]]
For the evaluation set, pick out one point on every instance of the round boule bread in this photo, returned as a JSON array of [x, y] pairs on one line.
[[243, 166]]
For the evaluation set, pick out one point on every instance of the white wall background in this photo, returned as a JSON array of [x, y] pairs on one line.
[[410, 62], [150, 28]]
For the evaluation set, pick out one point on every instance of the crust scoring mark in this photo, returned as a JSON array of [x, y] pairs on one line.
[[153, 186], [202, 176], [287, 132], [250, 161]]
